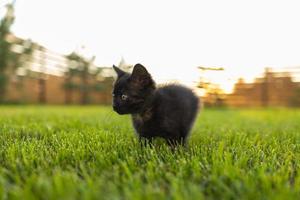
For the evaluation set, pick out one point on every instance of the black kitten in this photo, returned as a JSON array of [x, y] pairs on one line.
[[167, 112]]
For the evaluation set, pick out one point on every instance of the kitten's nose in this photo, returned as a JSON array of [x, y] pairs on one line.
[[117, 110]]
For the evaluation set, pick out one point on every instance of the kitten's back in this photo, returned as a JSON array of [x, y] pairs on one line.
[[180, 94]]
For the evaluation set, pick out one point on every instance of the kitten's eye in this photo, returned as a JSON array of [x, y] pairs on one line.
[[124, 97]]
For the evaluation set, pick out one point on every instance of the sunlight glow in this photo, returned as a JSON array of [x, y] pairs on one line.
[[171, 38]]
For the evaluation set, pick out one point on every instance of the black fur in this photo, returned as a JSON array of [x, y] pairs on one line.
[[167, 111]]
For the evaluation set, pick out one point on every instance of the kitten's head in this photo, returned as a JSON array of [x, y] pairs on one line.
[[131, 90]]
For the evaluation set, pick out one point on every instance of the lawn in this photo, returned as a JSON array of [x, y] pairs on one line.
[[91, 152]]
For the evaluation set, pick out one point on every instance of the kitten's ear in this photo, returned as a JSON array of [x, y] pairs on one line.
[[140, 75], [118, 71]]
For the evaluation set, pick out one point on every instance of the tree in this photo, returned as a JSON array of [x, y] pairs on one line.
[[78, 66], [5, 46], [13, 51], [83, 76], [214, 95]]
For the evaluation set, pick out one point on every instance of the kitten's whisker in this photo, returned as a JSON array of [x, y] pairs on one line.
[[108, 116]]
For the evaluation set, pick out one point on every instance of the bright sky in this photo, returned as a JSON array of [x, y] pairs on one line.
[[170, 37]]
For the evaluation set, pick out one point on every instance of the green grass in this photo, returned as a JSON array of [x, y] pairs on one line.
[[92, 153]]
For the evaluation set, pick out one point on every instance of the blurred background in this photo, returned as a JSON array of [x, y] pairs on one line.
[[233, 53]]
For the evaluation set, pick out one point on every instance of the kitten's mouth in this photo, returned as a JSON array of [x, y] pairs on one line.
[[119, 111]]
